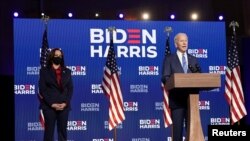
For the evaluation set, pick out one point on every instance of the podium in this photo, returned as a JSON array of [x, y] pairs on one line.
[[195, 82]]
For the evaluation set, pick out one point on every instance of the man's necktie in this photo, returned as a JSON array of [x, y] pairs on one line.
[[184, 63]]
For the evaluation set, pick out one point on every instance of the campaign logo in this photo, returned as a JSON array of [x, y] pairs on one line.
[[217, 69], [77, 125], [183, 138], [90, 107], [106, 125], [198, 53], [159, 106], [204, 105], [129, 43], [34, 126], [148, 70], [140, 88], [96, 89], [33, 70], [24, 89], [130, 106], [77, 70], [212, 90], [220, 121], [149, 123], [215, 90], [103, 139], [140, 139], [170, 138]]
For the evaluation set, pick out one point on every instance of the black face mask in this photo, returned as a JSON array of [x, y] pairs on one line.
[[57, 60]]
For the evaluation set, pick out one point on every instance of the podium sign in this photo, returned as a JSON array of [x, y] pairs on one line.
[[196, 81]]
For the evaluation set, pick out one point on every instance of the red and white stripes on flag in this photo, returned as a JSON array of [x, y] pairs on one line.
[[166, 109], [112, 89], [43, 60], [41, 118], [233, 87], [234, 95]]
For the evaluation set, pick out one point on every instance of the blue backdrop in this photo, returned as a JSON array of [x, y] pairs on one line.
[[140, 47]]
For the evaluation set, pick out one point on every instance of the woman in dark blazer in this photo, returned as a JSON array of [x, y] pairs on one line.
[[56, 89]]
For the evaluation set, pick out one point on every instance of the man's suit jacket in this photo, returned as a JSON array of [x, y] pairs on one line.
[[49, 90], [171, 64]]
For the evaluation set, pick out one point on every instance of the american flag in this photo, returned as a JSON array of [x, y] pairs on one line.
[[233, 87], [44, 49], [43, 60], [166, 109], [111, 88]]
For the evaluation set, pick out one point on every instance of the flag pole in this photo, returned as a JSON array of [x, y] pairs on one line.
[[233, 25], [111, 30], [45, 20], [167, 29], [115, 134]]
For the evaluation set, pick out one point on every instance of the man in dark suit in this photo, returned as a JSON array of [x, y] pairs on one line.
[[178, 98], [56, 89]]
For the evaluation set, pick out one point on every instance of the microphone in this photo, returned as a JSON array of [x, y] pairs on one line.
[[191, 68], [198, 68]]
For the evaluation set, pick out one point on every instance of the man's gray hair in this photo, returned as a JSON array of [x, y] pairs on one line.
[[178, 34]]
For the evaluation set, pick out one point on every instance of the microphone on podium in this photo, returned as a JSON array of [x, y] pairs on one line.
[[191, 68], [198, 68]]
